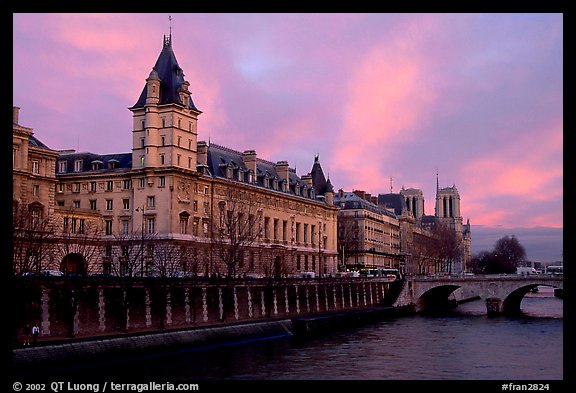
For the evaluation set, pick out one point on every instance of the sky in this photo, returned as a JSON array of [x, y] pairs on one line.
[[386, 100]]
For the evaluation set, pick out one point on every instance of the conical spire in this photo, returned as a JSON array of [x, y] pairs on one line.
[[172, 79]]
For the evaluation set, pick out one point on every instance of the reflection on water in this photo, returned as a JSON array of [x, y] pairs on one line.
[[463, 345]]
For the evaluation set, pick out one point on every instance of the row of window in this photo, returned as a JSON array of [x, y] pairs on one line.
[[163, 142], [143, 123], [149, 226], [237, 173], [191, 163], [93, 186], [74, 225], [79, 165], [107, 185], [298, 235], [150, 203], [306, 266]]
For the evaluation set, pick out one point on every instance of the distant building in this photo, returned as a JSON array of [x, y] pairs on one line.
[[418, 237], [368, 234]]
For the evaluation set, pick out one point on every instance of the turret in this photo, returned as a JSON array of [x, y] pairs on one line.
[[153, 88]]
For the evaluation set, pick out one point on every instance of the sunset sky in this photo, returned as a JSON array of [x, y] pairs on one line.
[[477, 98]]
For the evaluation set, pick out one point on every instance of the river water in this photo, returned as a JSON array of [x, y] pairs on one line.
[[462, 345]]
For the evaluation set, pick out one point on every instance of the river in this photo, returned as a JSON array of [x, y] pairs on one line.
[[462, 345]]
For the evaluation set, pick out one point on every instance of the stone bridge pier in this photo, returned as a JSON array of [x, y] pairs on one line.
[[502, 293]]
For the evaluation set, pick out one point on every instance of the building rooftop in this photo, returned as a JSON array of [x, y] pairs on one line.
[[393, 201], [226, 163], [350, 200], [93, 163]]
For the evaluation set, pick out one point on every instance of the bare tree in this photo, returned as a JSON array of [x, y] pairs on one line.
[[166, 259], [449, 246], [32, 239], [348, 240], [126, 253], [425, 252], [235, 229], [80, 244]]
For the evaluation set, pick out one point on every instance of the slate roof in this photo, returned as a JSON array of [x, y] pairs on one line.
[[221, 158], [119, 161], [171, 78], [395, 201], [321, 185], [429, 220], [36, 142], [350, 200]]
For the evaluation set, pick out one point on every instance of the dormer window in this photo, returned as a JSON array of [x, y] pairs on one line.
[[96, 164], [297, 189], [62, 166], [78, 166]]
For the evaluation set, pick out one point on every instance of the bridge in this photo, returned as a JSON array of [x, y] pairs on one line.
[[502, 293]]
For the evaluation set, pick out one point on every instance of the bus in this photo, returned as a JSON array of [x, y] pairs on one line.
[[380, 272]]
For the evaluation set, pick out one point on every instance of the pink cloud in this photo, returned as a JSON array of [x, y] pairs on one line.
[[387, 104], [529, 169]]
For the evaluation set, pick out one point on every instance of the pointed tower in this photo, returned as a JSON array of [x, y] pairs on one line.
[[318, 179], [165, 117]]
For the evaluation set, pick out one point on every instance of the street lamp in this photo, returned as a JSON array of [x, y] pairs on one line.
[[141, 209]]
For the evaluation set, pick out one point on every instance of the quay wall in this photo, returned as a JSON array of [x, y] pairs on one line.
[[95, 307]]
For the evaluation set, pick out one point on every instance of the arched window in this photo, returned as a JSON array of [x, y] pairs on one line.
[[184, 218]]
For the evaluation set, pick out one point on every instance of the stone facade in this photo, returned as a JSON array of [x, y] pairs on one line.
[[176, 205], [369, 235]]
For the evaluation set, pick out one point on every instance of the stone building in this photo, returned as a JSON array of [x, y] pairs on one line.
[[368, 234], [178, 206], [420, 233]]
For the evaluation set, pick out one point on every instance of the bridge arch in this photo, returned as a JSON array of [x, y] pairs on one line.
[[502, 293], [437, 299], [512, 302]]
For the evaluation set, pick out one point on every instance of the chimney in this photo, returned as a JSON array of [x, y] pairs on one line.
[[340, 193], [359, 193], [374, 200], [15, 114], [202, 151], [249, 157], [368, 197], [307, 180], [282, 171]]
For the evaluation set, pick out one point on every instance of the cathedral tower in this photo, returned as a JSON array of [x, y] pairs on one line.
[[414, 201], [448, 207]]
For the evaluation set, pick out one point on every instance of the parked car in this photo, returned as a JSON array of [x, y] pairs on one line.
[[52, 273]]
